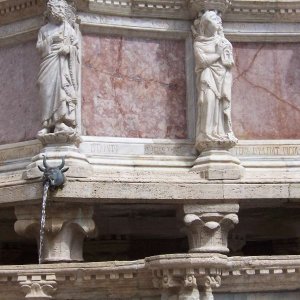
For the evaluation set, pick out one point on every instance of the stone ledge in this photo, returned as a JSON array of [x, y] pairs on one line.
[[239, 274], [143, 192]]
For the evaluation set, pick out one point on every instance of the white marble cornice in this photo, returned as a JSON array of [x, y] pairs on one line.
[[239, 11]]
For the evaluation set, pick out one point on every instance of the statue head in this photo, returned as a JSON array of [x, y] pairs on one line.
[[209, 24], [56, 10]]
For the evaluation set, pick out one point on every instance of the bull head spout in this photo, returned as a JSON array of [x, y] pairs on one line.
[[53, 175]]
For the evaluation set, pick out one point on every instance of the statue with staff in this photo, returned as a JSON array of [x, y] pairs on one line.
[[58, 79]]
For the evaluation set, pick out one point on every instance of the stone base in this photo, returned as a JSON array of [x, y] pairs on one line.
[[77, 162], [218, 165]]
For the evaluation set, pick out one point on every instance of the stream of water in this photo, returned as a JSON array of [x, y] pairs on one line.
[[43, 219]]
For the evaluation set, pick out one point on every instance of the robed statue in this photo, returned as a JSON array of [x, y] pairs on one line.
[[58, 79], [214, 61]]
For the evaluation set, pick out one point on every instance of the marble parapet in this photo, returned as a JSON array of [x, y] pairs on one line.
[[134, 278]]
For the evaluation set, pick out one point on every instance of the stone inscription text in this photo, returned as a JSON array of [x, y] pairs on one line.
[[288, 150], [104, 148]]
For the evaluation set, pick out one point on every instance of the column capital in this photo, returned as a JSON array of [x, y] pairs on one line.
[[37, 288], [207, 226], [65, 229], [197, 7]]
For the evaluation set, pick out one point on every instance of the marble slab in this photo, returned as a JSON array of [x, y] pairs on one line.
[[20, 107], [133, 87], [266, 91]]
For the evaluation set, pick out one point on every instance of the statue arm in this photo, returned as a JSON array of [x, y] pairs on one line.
[[43, 43], [205, 59]]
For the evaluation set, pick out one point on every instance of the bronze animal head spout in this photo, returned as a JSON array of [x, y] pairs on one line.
[[53, 175]]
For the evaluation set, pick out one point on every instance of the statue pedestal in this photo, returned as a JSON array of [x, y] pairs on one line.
[[55, 148], [218, 165]]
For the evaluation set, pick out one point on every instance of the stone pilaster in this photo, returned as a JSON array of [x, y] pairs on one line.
[[65, 229], [37, 288], [207, 226]]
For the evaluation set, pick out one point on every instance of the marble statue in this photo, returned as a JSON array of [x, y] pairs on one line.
[[214, 61], [58, 79]]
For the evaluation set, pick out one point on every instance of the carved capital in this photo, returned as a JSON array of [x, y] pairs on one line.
[[199, 6], [176, 284], [36, 288], [65, 229], [207, 231], [208, 283]]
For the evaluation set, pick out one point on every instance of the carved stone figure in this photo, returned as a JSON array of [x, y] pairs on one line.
[[214, 60], [58, 45]]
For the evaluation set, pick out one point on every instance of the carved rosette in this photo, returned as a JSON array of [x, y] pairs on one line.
[[207, 231], [36, 288], [65, 229]]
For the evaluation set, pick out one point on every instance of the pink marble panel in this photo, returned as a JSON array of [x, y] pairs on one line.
[[133, 87], [266, 91], [20, 109]]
